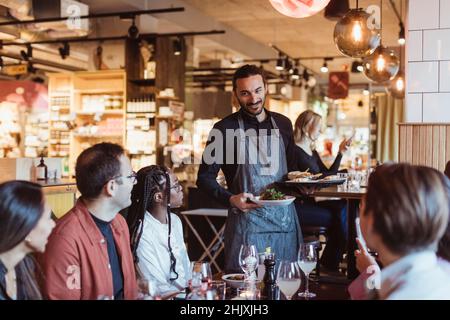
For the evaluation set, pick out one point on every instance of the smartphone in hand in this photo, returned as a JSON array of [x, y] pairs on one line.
[[359, 234], [350, 140]]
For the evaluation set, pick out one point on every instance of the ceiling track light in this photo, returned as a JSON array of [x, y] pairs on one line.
[[29, 51], [64, 51], [295, 73], [2, 64], [31, 68], [177, 46], [288, 66], [366, 91], [401, 35], [133, 31], [280, 64], [24, 55], [324, 68], [27, 55], [305, 75]]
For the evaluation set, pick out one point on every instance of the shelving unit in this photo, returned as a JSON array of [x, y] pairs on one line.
[[93, 110], [164, 70], [60, 106]]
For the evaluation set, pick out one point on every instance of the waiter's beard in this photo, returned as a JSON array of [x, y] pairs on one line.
[[247, 107]]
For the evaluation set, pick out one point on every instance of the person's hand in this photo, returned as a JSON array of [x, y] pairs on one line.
[[240, 201], [363, 258], [345, 144]]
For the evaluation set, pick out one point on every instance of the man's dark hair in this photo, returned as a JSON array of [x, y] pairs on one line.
[[96, 166], [246, 71]]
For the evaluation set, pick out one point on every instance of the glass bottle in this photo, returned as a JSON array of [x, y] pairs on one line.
[[41, 170]]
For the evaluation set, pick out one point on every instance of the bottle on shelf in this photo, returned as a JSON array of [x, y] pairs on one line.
[[41, 170]]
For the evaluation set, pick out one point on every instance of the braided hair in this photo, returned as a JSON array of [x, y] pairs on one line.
[[150, 180]]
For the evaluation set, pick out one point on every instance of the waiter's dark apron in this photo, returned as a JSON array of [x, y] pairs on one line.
[[274, 227]]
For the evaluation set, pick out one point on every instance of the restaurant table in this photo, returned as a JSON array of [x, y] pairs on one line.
[[353, 198], [216, 245], [323, 291]]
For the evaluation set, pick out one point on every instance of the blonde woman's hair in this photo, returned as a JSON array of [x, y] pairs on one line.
[[303, 123]]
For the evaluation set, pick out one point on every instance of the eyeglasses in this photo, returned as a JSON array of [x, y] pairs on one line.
[[132, 176], [176, 186]]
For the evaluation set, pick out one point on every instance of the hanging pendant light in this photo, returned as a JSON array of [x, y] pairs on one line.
[[382, 65], [299, 8], [354, 37], [397, 86]]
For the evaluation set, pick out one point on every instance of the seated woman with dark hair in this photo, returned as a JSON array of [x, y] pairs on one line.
[[157, 240], [369, 269], [404, 218], [25, 224]]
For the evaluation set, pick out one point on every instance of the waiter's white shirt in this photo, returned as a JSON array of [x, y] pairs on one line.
[[417, 276], [153, 254]]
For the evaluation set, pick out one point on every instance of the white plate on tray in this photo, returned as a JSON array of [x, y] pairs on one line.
[[274, 203]]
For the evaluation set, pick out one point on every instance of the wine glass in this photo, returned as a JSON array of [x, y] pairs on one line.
[[288, 278], [307, 260], [201, 272], [248, 259]]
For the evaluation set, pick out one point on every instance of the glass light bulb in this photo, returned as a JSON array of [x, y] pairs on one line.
[[400, 85], [353, 36], [357, 31], [381, 63]]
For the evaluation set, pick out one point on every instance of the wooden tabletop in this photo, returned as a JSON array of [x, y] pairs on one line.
[[335, 193]]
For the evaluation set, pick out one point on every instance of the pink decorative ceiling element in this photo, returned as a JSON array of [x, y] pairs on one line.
[[299, 8]]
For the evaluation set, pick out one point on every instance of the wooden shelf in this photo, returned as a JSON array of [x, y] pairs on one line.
[[143, 82], [97, 136], [106, 112], [167, 98], [99, 91]]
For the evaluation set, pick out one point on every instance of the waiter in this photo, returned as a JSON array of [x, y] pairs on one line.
[[253, 148]]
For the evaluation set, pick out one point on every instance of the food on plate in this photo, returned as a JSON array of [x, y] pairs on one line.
[[237, 277], [298, 174], [303, 175], [272, 194], [332, 177]]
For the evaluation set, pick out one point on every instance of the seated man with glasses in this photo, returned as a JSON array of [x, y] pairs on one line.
[[88, 255]]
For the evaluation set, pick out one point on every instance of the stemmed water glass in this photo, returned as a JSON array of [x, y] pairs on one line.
[[201, 275], [307, 260], [248, 260], [288, 278]]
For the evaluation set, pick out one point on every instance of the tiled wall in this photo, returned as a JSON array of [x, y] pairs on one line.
[[428, 56]]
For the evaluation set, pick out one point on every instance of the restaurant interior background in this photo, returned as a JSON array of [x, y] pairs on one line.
[[155, 75]]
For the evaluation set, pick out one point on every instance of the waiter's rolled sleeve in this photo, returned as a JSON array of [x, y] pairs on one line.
[[206, 181]]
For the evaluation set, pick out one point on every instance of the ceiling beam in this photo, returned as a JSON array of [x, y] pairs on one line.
[[122, 14]]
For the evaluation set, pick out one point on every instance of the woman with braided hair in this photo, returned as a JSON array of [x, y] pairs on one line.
[[157, 240]]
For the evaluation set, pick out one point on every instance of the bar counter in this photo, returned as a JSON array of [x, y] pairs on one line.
[[61, 194]]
